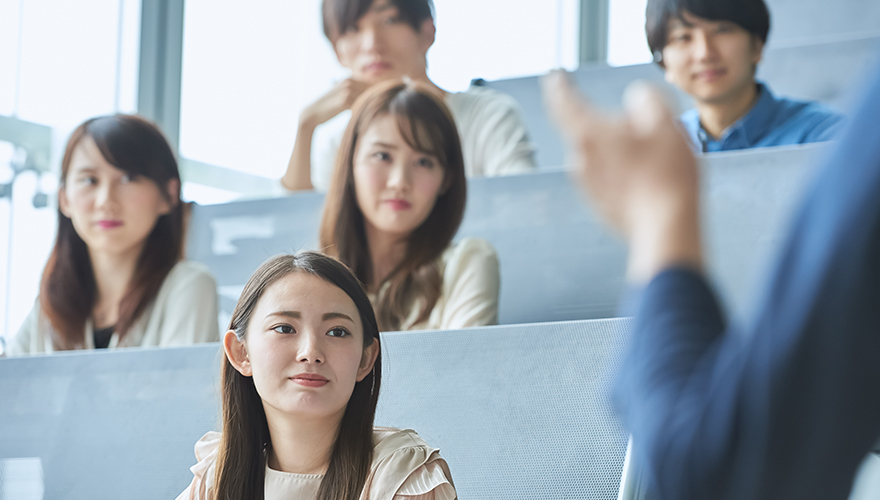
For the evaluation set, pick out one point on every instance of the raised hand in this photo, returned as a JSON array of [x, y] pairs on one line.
[[298, 175], [337, 100], [638, 171]]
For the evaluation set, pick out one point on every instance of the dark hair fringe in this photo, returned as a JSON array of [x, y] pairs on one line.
[[426, 125], [68, 290], [245, 441], [751, 15], [340, 15]]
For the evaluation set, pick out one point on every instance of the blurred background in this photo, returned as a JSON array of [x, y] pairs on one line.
[[226, 81]]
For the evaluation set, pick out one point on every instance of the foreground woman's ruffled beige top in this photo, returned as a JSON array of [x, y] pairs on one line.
[[404, 468]]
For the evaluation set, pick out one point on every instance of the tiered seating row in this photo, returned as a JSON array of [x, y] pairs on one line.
[[558, 261], [519, 412], [825, 72]]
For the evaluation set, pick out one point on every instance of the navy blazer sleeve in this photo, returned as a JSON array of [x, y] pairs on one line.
[[786, 406]]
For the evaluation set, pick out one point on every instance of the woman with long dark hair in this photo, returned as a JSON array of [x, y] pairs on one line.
[[395, 202], [116, 277], [299, 386]]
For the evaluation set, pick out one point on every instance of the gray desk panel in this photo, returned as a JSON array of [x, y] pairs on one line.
[[519, 412], [799, 21], [558, 262], [827, 72], [106, 425]]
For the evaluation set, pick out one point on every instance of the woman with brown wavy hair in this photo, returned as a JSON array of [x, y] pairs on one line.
[[395, 202], [115, 277], [299, 384]]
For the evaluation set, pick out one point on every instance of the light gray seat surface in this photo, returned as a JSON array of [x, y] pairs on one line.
[[794, 22], [558, 261], [519, 412], [825, 72]]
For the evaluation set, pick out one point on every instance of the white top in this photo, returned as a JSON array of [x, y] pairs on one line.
[[493, 136], [404, 468], [471, 284], [183, 313]]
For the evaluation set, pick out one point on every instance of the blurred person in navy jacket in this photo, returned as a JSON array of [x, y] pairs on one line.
[[785, 406]]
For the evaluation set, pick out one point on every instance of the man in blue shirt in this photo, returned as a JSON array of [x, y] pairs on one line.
[[711, 50]]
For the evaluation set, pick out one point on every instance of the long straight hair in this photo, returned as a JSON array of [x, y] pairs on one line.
[[427, 126], [68, 290], [245, 441]]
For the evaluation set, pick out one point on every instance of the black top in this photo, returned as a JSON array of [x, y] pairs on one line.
[[102, 337]]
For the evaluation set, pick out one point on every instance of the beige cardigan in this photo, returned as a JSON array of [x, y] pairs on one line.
[[183, 313], [404, 468], [471, 285]]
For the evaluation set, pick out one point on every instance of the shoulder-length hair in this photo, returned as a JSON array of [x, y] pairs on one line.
[[427, 126], [68, 290], [245, 441]]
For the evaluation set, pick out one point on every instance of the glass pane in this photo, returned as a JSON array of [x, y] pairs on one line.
[[68, 69], [9, 22], [249, 69], [627, 43], [33, 232], [129, 56], [498, 39]]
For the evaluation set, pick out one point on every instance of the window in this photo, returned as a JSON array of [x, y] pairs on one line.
[[502, 39], [9, 23], [70, 58], [249, 70], [627, 43]]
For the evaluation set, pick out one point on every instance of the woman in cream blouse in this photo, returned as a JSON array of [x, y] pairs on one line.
[[300, 383], [115, 277], [396, 200]]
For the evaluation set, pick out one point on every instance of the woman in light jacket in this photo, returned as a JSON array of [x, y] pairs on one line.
[[396, 201], [299, 387], [116, 277]]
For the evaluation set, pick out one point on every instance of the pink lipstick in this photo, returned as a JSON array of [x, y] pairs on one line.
[[309, 380], [109, 224], [399, 204]]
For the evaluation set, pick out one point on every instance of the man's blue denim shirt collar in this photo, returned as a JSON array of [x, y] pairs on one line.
[[749, 129]]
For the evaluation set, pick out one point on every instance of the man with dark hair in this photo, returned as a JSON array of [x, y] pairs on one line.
[[710, 49], [379, 40]]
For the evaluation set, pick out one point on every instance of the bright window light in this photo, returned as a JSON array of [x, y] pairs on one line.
[[499, 39], [627, 43], [10, 14], [250, 69], [68, 60]]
